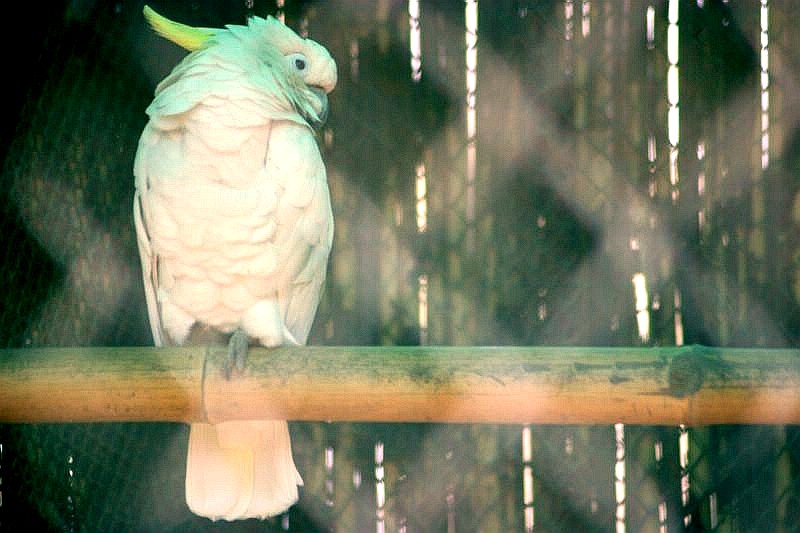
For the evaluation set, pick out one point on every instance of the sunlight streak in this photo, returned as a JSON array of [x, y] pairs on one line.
[[673, 114], [354, 60], [764, 84], [329, 476], [586, 18], [683, 454], [658, 452], [415, 40], [678, 318], [471, 37], [701, 184], [527, 478], [279, 14], [421, 188], [451, 507], [569, 23], [422, 308], [642, 306], [712, 510], [662, 517], [380, 490], [620, 478], [652, 153]]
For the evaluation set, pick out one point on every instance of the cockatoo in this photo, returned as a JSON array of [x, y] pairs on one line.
[[234, 227]]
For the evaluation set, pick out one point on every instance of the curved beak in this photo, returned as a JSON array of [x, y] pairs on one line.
[[322, 112]]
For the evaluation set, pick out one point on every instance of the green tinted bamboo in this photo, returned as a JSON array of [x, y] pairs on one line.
[[689, 385]]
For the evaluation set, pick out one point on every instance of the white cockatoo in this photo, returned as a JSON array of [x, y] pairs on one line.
[[234, 226]]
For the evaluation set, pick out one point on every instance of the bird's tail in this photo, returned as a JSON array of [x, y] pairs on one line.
[[240, 469]]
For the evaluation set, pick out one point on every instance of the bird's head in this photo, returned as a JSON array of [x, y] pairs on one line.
[[299, 70], [308, 68]]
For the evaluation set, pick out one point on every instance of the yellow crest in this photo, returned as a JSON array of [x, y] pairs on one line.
[[184, 36]]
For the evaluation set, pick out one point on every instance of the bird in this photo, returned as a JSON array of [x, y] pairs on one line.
[[234, 227]]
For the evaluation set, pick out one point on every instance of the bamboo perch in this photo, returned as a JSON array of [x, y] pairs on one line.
[[689, 385]]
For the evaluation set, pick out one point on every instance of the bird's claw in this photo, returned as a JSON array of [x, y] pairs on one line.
[[237, 353]]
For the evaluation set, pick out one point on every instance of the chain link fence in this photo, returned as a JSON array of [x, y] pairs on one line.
[[557, 172]]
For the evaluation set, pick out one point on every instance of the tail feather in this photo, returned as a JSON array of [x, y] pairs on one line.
[[240, 469]]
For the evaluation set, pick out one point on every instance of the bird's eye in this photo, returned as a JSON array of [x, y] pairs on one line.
[[297, 62]]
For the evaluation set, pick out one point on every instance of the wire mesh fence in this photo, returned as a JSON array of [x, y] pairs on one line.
[[559, 173]]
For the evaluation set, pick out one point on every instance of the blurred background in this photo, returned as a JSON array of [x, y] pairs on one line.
[[598, 172]]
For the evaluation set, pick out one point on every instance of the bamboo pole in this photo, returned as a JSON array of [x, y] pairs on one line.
[[546, 385]]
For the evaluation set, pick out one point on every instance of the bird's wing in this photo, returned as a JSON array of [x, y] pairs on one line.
[[305, 222], [149, 270]]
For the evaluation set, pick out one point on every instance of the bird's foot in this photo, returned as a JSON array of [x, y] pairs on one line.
[[237, 353]]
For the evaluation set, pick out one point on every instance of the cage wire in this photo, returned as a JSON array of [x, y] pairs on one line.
[[565, 172]]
